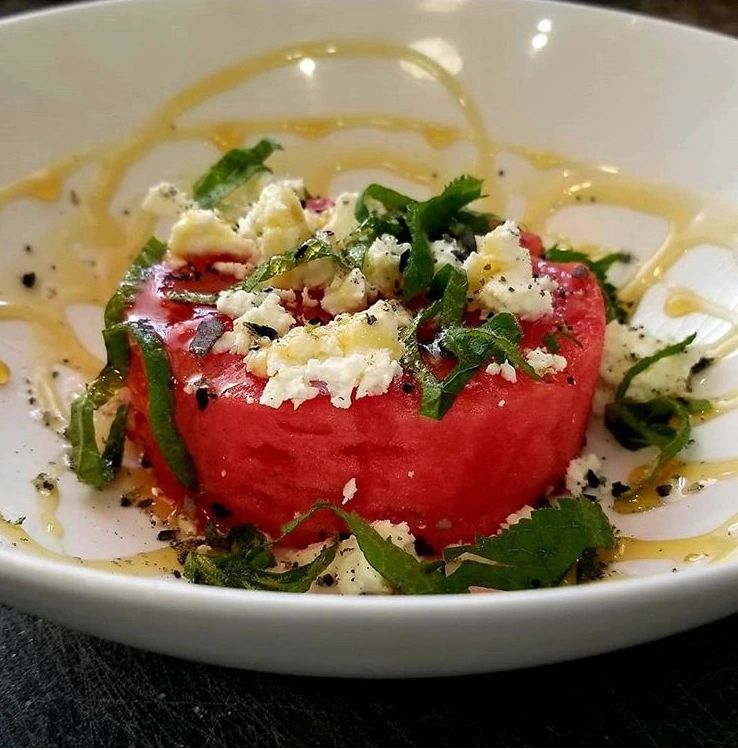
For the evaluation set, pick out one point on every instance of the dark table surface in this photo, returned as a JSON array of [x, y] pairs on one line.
[[61, 688]]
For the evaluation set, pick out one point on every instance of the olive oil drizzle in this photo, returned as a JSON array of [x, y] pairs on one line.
[[93, 244]]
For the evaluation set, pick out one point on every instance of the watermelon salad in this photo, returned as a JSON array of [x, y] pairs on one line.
[[372, 393]]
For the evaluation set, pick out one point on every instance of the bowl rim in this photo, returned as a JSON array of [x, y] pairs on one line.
[[29, 570]]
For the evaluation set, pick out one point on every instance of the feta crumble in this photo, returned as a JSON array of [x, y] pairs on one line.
[[349, 490], [545, 363], [257, 308], [443, 252], [382, 264], [239, 271], [501, 278], [353, 354], [576, 473], [624, 345], [345, 293], [340, 217], [505, 370], [203, 232], [166, 200], [275, 223], [350, 573]]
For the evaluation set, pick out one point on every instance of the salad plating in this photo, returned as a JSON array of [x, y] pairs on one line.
[[415, 374]]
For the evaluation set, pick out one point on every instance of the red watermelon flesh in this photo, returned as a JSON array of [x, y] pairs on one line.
[[501, 446]]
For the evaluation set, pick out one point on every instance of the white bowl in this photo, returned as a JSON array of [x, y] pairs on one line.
[[653, 99]]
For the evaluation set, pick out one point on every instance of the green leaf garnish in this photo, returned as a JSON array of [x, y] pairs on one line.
[[643, 364], [191, 298], [236, 168], [88, 463], [425, 220], [451, 285], [497, 338], [161, 402], [536, 552], [392, 201], [613, 309], [245, 565], [310, 250], [662, 422]]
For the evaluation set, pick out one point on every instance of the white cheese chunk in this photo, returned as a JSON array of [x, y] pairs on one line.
[[382, 264], [340, 220], [275, 223], [239, 271], [256, 308], [624, 345], [505, 370], [350, 573], [545, 363], [349, 490], [501, 278], [353, 354], [203, 232], [443, 254], [166, 200], [345, 293], [576, 473]]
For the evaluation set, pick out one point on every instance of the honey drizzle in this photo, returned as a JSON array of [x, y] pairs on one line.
[[93, 232]]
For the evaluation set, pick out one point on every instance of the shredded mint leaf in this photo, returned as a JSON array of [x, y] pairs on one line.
[[91, 466], [161, 402], [662, 422], [207, 333], [536, 552], [450, 284], [246, 564], [643, 364], [191, 298], [310, 250], [497, 338], [403, 571], [613, 308], [236, 168], [427, 219], [551, 343], [418, 272], [358, 242], [392, 201]]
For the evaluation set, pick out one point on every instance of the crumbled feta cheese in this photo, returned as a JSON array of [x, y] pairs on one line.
[[506, 370], [501, 278], [201, 232], [307, 300], [257, 308], [545, 363], [576, 473], [340, 217], [443, 254], [358, 352], [345, 293], [350, 573], [275, 223], [382, 264], [239, 271], [166, 200], [624, 345], [349, 490], [519, 515]]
